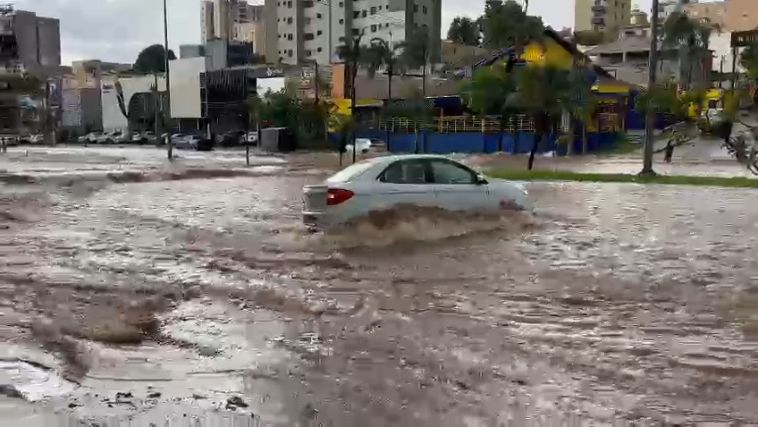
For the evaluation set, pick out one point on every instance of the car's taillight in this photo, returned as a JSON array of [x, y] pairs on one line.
[[336, 196]]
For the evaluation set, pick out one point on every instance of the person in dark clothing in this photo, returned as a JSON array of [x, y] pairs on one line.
[[669, 152]]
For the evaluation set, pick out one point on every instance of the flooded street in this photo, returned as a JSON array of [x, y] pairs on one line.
[[136, 291]]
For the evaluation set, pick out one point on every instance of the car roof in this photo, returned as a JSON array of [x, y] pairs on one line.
[[398, 157]]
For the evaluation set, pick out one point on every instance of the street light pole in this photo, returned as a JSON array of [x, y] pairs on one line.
[[167, 115], [647, 167]]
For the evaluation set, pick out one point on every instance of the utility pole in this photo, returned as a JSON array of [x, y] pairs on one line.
[[167, 115], [647, 167]]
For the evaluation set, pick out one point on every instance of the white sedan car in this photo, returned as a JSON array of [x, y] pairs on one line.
[[423, 180]]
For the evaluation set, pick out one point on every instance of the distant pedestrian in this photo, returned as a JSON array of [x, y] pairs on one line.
[[669, 152]]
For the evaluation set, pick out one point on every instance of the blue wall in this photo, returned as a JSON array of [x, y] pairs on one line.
[[474, 142]]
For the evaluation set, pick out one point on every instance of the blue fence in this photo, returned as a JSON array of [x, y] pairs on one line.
[[475, 142]]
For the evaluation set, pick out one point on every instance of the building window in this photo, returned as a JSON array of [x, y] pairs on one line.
[[342, 39], [289, 37], [319, 16], [319, 32], [289, 5], [424, 9], [289, 20], [308, 36], [308, 3], [356, 32], [319, 50], [364, 13], [342, 21], [342, 4], [373, 10], [289, 53], [308, 53], [373, 28], [356, 15], [415, 8]]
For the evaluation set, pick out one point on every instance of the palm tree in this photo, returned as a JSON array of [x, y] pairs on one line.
[[542, 92], [581, 104], [381, 54], [351, 54], [691, 37], [416, 52], [492, 93]]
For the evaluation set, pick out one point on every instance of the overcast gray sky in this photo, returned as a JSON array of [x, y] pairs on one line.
[[116, 30]]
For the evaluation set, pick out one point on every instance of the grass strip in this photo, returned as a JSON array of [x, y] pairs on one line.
[[544, 175]]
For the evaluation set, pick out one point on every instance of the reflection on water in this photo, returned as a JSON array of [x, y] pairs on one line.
[[613, 302]]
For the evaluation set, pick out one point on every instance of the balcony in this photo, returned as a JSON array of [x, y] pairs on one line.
[[599, 9], [599, 21]]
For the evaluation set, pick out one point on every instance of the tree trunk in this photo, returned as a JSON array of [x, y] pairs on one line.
[[354, 72], [390, 73], [535, 145], [540, 129], [247, 141], [570, 147], [423, 82], [585, 143]]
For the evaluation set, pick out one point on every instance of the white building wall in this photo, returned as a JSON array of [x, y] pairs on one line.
[[113, 119], [185, 88]]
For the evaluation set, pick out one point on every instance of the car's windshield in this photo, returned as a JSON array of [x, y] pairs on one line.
[[351, 172]]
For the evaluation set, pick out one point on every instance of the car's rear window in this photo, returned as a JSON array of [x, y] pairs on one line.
[[351, 172]]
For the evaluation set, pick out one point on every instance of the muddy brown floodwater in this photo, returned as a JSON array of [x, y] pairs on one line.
[[204, 301]]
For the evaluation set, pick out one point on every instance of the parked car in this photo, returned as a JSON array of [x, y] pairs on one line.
[[36, 138], [9, 140], [177, 139], [90, 138], [363, 144], [232, 139], [422, 180], [189, 142]]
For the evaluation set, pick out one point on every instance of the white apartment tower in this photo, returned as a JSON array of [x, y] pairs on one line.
[[312, 30], [219, 19]]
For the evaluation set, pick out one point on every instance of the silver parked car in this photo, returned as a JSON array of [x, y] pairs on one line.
[[423, 180]]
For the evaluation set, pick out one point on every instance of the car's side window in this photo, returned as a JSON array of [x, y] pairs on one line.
[[444, 172], [406, 172]]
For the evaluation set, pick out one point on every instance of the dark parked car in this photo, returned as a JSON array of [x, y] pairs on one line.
[[232, 139]]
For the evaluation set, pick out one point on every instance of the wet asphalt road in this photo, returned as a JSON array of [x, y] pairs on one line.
[[615, 302]]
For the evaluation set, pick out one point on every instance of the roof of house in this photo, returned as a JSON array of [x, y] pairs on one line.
[[625, 44]]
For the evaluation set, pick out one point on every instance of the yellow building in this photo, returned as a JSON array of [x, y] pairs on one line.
[[606, 16]]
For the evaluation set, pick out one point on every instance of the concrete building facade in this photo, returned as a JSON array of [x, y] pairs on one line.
[[606, 16], [312, 30], [38, 39], [231, 20], [711, 13], [741, 15]]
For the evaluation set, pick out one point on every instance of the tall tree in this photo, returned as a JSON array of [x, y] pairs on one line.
[[542, 92], [581, 104], [152, 59], [416, 52], [464, 31], [692, 38], [749, 60], [351, 53], [505, 24], [492, 93], [381, 54]]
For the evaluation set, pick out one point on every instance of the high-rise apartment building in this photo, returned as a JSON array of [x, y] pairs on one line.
[[219, 18], [606, 16], [312, 30]]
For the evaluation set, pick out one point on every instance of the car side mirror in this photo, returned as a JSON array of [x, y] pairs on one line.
[[481, 180]]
